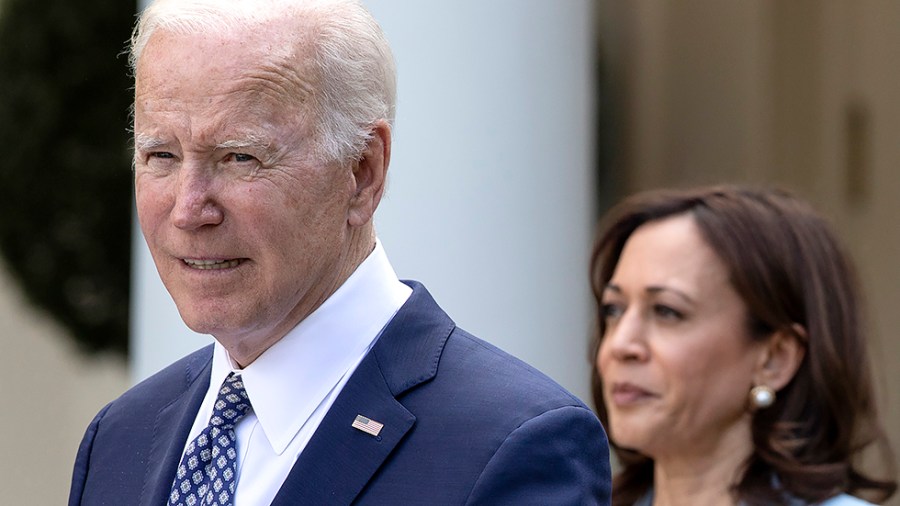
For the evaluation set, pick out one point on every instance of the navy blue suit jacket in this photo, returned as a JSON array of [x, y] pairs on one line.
[[464, 423]]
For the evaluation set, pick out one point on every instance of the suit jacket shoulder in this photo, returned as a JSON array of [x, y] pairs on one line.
[[464, 423], [126, 452]]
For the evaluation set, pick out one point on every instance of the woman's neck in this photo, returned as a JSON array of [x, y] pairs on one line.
[[702, 476]]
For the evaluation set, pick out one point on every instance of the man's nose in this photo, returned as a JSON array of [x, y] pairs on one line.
[[196, 199]]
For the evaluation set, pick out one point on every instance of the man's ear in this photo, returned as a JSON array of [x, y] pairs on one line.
[[781, 356], [370, 175]]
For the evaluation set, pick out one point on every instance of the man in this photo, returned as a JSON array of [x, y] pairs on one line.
[[262, 142]]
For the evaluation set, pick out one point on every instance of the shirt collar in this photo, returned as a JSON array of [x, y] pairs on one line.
[[289, 380]]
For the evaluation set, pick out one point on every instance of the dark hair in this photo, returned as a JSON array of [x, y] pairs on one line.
[[788, 268]]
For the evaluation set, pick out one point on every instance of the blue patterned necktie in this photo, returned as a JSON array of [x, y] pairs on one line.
[[206, 475]]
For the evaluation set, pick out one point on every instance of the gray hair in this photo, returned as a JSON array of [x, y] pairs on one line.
[[357, 85]]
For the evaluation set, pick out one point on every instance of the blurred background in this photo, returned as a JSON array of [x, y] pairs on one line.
[[519, 123]]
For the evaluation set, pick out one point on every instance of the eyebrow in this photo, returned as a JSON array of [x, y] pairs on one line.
[[251, 141], [654, 289], [143, 142]]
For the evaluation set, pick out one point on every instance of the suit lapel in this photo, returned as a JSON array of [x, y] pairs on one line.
[[173, 423], [340, 460]]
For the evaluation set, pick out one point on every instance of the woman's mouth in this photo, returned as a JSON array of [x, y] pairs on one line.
[[625, 394]]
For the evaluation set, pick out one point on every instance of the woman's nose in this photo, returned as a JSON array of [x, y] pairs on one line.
[[624, 339]]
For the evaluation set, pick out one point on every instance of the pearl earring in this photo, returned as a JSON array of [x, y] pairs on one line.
[[762, 397]]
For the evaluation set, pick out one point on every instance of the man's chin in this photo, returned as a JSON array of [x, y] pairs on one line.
[[207, 322]]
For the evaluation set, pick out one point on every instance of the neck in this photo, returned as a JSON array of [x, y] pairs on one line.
[[244, 348], [702, 477]]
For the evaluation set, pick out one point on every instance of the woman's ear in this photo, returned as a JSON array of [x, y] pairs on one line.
[[370, 175], [781, 357]]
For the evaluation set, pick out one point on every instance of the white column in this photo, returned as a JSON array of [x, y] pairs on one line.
[[491, 193]]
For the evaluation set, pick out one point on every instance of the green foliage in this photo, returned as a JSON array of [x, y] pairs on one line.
[[65, 178]]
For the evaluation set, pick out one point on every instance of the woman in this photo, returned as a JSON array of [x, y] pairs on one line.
[[730, 363]]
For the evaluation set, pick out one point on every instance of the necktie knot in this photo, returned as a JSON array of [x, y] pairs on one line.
[[231, 404]]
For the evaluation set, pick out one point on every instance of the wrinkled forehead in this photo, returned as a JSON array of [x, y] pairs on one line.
[[263, 41], [270, 63]]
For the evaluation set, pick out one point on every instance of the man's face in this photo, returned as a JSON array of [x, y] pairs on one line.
[[248, 232]]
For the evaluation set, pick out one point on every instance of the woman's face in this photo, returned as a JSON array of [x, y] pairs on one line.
[[676, 359]]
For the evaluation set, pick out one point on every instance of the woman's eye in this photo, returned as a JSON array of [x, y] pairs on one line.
[[610, 311], [666, 312]]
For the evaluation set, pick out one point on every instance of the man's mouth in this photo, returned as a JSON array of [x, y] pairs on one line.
[[212, 264]]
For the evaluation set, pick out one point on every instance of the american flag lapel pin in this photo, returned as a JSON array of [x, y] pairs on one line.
[[367, 425]]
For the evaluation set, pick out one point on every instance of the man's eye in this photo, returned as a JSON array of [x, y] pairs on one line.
[[161, 160], [240, 157]]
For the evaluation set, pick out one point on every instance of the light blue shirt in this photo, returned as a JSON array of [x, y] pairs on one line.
[[838, 500], [846, 500]]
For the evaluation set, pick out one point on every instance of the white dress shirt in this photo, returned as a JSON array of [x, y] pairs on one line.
[[293, 384]]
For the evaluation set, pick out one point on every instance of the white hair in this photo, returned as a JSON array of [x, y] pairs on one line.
[[357, 74]]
